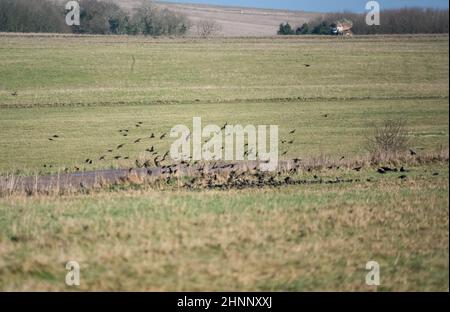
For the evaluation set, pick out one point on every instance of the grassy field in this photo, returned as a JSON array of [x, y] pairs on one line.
[[296, 238], [86, 89], [302, 237]]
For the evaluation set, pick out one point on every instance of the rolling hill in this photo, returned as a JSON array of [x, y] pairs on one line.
[[235, 21]]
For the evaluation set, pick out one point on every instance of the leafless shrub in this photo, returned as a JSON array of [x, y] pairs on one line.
[[389, 137], [208, 28]]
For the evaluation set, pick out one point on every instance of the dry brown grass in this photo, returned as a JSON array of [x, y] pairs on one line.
[[309, 237]]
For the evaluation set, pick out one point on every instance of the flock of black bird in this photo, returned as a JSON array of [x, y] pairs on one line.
[[216, 174]]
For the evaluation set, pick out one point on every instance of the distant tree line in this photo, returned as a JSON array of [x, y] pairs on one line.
[[393, 21], [96, 17]]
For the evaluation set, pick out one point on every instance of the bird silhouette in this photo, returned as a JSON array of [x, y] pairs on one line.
[[102, 158], [56, 136], [292, 132], [307, 65], [14, 93], [412, 152], [137, 141], [120, 146], [152, 136], [326, 115], [162, 136], [117, 157], [110, 151], [358, 169], [50, 139]]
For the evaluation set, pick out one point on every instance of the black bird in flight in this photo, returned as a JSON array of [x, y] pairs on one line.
[[291, 142], [137, 141], [110, 151], [357, 169], [152, 136], [307, 65], [326, 115], [50, 139], [117, 157], [162, 136], [120, 146], [292, 132], [102, 158], [412, 152], [56, 136], [14, 93]]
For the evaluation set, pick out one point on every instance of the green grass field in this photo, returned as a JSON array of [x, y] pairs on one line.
[[304, 237]]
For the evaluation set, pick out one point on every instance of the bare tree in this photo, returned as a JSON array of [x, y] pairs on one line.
[[208, 28], [390, 137]]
